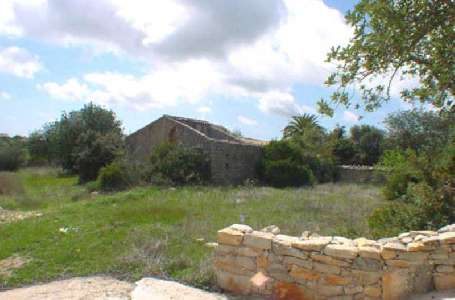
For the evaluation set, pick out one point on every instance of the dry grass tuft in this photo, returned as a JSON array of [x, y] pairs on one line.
[[10, 184]]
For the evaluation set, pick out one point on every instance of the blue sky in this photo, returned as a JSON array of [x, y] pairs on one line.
[[248, 65]]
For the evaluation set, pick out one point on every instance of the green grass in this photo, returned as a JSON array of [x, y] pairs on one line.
[[153, 231]]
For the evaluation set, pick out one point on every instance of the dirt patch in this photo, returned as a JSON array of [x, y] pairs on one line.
[[99, 288], [8, 265], [9, 216]]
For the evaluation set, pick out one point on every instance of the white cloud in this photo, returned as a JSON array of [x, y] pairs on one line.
[[247, 121], [258, 49], [5, 96], [349, 116], [204, 109], [72, 90], [19, 62]]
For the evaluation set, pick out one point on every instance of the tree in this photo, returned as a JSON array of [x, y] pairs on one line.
[[419, 130], [369, 142], [411, 38], [84, 141], [300, 124]]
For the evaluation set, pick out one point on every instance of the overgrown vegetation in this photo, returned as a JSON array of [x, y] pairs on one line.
[[154, 231]]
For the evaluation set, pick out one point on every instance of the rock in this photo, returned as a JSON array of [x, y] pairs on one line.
[[369, 252], [341, 251], [211, 245], [445, 269], [371, 291], [271, 229], [336, 280], [258, 240], [329, 260], [313, 244], [394, 246], [395, 285], [367, 264], [330, 290], [366, 278], [234, 283], [448, 228], [447, 237], [397, 263], [302, 274], [444, 281], [329, 269], [230, 236], [281, 245], [242, 228], [307, 264]]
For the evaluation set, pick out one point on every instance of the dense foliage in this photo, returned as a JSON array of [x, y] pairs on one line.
[[116, 176], [282, 165], [81, 141], [395, 39], [420, 184], [173, 164], [12, 153]]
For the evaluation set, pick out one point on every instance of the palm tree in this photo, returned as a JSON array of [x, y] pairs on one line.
[[299, 124]]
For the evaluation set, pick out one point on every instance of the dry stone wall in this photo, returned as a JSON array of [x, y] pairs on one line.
[[278, 266]]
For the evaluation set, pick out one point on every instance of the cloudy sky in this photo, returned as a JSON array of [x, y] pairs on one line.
[[245, 64]]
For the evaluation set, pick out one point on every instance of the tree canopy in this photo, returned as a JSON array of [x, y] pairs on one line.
[[395, 39]]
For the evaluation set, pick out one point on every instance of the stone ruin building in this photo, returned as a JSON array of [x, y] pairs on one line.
[[233, 159]]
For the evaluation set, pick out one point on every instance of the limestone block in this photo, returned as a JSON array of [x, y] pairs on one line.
[[432, 241], [366, 278], [236, 264], [444, 281], [395, 285], [417, 246], [397, 263], [242, 228], [341, 251], [284, 248], [330, 290], [369, 252], [234, 283], [289, 261], [313, 244], [329, 260], [363, 242], [447, 237], [302, 274], [394, 246], [232, 250], [367, 264], [445, 269], [279, 272], [258, 240], [448, 228], [229, 236], [353, 289], [336, 280], [329, 269], [415, 257], [262, 262], [373, 291]]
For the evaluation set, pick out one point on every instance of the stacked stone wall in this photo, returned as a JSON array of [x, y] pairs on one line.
[[277, 266]]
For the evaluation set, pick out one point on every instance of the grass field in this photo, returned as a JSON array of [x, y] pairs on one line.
[[155, 231]]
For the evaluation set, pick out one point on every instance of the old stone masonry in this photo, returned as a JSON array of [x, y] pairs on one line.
[[278, 266]]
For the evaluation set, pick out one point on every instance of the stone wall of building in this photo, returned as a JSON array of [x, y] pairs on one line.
[[277, 266], [232, 161], [359, 174]]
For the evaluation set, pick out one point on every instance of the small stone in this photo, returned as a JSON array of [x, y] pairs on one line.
[[283, 247], [432, 241], [229, 236], [314, 244], [271, 229], [394, 246], [259, 240], [363, 242], [416, 246], [211, 245], [406, 240], [366, 278], [307, 264], [330, 290], [305, 235], [351, 290], [367, 264], [342, 251]]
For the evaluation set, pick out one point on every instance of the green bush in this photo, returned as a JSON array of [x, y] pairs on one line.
[[282, 165], [283, 173], [12, 157], [178, 165], [114, 177], [393, 219]]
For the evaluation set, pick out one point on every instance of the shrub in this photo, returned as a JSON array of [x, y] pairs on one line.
[[392, 219], [114, 177], [282, 165], [282, 173], [11, 157], [175, 164]]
